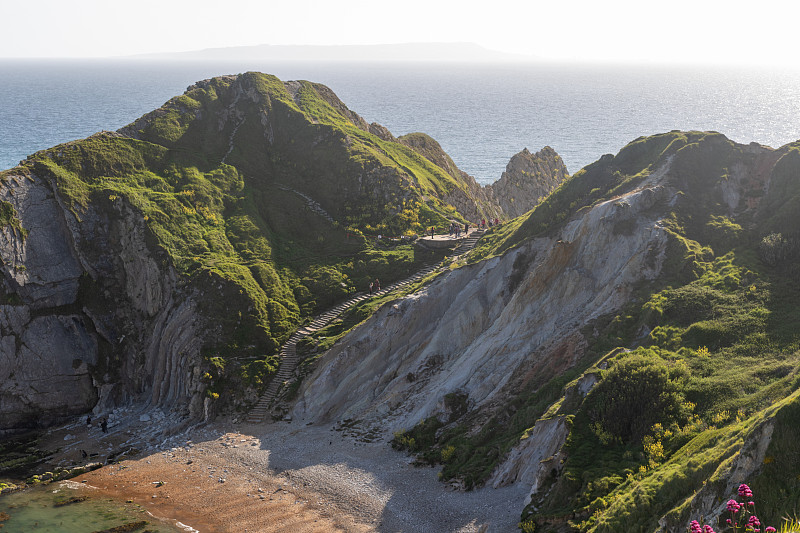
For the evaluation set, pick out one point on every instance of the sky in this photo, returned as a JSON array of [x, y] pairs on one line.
[[677, 31]]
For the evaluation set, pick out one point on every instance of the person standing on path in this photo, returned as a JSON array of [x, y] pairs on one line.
[[371, 285], [377, 285]]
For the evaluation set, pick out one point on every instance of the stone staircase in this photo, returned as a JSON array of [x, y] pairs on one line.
[[288, 353]]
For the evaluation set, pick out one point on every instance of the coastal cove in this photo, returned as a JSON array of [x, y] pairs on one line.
[[234, 306], [281, 477], [480, 114]]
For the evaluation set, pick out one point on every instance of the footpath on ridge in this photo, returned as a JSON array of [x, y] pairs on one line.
[[288, 353]]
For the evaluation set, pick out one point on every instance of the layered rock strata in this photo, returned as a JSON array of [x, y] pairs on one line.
[[93, 316]]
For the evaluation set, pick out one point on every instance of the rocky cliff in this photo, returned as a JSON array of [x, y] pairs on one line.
[[507, 369], [528, 179], [627, 350], [127, 256], [166, 263], [483, 329], [93, 316]]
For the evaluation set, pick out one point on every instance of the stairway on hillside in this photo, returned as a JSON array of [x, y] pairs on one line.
[[288, 353]]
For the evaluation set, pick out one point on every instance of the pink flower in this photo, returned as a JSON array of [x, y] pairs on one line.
[[733, 505], [751, 503], [754, 521], [744, 491], [707, 529], [770, 529], [694, 527]]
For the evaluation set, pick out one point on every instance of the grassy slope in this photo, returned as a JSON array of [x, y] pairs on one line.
[[723, 353], [233, 222]]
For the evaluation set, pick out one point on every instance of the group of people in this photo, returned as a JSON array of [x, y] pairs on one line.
[[456, 228], [496, 222], [374, 286]]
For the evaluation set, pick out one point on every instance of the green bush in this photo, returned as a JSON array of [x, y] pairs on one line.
[[775, 248], [636, 392]]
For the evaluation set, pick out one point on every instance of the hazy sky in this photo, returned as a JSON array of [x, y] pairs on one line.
[[683, 31]]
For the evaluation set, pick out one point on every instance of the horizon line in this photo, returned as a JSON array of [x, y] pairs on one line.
[[491, 56]]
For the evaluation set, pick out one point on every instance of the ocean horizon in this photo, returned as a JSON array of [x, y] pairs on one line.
[[481, 114]]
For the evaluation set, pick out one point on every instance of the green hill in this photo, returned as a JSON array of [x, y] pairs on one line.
[[696, 378], [269, 196]]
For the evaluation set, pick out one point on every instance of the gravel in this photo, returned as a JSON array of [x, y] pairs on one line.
[[379, 485]]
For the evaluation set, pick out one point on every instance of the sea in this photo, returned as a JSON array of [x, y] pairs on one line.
[[481, 114], [42, 509]]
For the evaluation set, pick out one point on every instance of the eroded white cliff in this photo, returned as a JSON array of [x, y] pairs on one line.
[[484, 329]]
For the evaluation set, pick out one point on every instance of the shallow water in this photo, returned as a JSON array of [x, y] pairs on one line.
[[34, 510]]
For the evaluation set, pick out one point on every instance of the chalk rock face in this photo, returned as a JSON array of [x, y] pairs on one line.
[[528, 179], [485, 330], [92, 316], [535, 458]]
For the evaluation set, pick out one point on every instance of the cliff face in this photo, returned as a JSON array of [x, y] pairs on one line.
[[528, 179], [93, 316], [482, 331], [501, 369]]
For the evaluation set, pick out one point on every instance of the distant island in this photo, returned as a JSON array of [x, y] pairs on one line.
[[402, 52]]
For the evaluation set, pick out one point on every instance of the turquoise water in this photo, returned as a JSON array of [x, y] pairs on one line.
[[481, 115], [33, 511]]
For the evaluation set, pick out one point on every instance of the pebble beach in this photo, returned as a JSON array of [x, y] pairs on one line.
[[300, 478]]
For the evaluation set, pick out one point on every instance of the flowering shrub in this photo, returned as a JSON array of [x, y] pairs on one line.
[[742, 515]]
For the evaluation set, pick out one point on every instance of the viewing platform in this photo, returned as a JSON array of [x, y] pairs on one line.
[[438, 242]]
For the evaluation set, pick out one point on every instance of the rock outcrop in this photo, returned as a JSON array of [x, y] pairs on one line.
[[93, 315], [528, 179], [537, 458]]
